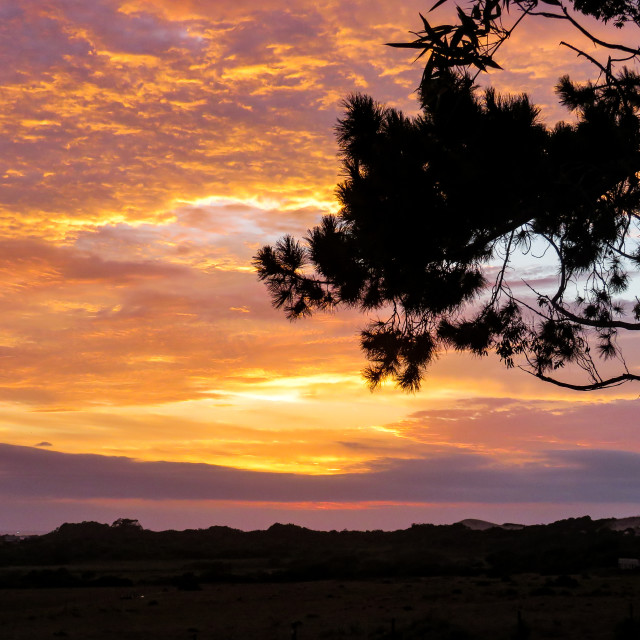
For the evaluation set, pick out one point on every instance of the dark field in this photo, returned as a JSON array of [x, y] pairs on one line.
[[454, 608], [92, 581]]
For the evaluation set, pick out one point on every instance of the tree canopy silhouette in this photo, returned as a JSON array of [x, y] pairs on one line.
[[438, 210]]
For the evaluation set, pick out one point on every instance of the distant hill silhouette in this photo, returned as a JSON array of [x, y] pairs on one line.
[[483, 525]]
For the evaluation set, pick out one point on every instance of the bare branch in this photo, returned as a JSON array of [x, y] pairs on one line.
[[616, 381], [602, 43]]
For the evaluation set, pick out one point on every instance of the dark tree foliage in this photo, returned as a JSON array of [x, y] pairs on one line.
[[436, 208], [619, 11], [127, 524]]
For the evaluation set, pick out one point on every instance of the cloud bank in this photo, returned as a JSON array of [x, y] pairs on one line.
[[558, 476]]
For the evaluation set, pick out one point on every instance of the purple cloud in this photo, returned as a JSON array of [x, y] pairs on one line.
[[559, 477]]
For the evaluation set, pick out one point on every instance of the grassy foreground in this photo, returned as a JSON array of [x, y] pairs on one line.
[[453, 608], [91, 581]]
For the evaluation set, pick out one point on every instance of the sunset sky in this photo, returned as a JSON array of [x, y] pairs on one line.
[[148, 149]]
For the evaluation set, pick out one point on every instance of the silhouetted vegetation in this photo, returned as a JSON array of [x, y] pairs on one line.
[[436, 208], [436, 582], [291, 553]]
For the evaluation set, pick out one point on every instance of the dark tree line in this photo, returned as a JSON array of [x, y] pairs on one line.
[[436, 211]]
